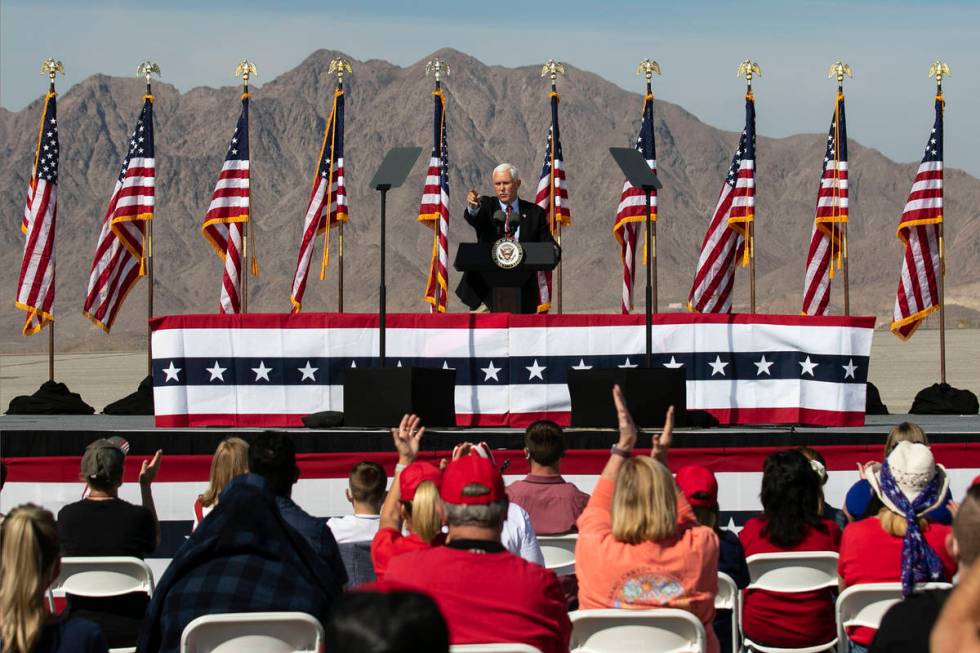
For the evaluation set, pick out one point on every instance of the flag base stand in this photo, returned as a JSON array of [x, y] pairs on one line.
[[944, 399], [52, 398], [137, 403]]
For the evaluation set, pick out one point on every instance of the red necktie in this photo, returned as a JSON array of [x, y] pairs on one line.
[[507, 222]]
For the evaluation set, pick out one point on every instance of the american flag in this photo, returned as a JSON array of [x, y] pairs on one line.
[[632, 206], [35, 287], [827, 242], [918, 290], [434, 207], [229, 211], [552, 196], [120, 257], [328, 198], [724, 242]]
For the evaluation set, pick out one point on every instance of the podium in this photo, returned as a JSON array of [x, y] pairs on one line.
[[505, 285]]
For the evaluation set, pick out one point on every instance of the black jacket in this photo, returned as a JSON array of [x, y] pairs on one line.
[[534, 222]]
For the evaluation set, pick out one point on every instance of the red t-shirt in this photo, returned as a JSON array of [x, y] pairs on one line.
[[870, 555], [389, 542], [783, 619], [489, 597]]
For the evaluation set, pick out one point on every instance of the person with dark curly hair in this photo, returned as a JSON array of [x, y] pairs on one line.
[[790, 521]]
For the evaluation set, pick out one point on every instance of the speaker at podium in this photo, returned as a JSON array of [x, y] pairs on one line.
[[505, 268]]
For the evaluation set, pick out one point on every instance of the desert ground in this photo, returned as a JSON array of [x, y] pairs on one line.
[[899, 369]]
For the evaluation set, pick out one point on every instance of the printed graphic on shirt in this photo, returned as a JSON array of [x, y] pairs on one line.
[[644, 587]]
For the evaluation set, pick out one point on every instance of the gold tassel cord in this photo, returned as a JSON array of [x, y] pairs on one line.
[[325, 261]]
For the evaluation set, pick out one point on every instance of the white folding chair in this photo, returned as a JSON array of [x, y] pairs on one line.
[[102, 577], [253, 632], [866, 604], [790, 572], [662, 630], [493, 648], [727, 599], [559, 552]]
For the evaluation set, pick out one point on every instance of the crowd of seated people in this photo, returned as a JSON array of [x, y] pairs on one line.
[[449, 571]]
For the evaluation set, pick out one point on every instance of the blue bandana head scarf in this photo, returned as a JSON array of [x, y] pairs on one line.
[[919, 562]]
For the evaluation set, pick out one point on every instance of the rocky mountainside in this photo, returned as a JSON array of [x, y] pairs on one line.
[[494, 114]]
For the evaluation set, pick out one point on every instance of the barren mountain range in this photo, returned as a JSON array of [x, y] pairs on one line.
[[494, 114]]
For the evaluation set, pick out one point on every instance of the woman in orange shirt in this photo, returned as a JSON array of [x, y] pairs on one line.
[[639, 545]]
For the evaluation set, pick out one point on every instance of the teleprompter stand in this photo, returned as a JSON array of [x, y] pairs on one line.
[[379, 396]]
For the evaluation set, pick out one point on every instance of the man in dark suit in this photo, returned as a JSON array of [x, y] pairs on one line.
[[525, 221]]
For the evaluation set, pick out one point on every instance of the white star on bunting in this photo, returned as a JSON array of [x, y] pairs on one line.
[[536, 370], [807, 366], [581, 365], [490, 372], [217, 372], [849, 369], [718, 367], [673, 364], [261, 372], [171, 373], [762, 366], [308, 372], [627, 365]]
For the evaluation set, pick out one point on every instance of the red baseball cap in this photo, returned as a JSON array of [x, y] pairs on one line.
[[472, 469], [414, 474], [692, 479]]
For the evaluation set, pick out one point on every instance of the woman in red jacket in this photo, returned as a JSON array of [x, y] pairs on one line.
[[898, 544], [790, 521]]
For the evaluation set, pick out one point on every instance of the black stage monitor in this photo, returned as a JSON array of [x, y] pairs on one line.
[[648, 394], [381, 396]]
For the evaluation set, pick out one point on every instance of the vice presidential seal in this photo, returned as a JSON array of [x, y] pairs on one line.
[[507, 253]]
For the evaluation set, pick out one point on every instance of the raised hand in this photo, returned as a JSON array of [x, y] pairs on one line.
[[407, 437], [473, 198], [627, 427], [149, 468], [660, 442]]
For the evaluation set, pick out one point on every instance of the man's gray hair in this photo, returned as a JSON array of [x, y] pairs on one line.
[[508, 167], [491, 515]]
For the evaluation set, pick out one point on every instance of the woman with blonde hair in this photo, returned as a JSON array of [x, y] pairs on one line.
[[230, 460], [639, 544], [413, 500], [904, 432], [31, 562]]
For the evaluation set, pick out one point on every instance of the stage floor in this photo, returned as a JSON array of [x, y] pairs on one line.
[[67, 435]]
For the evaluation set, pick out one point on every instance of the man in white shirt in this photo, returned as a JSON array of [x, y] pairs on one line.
[[366, 492]]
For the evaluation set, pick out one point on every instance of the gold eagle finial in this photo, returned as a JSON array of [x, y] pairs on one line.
[[147, 69], [245, 69], [51, 67], [648, 68], [341, 67], [437, 68], [552, 69], [939, 69], [839, 70]]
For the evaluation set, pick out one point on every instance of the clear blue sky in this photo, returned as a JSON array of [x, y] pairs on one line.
[[698, 44]]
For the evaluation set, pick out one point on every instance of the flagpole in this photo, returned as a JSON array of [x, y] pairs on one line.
[[51, 67], [750, 68], [839, 70], [244, 70], [552, 69], [938, 70], [338, 66], [147, 69]]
